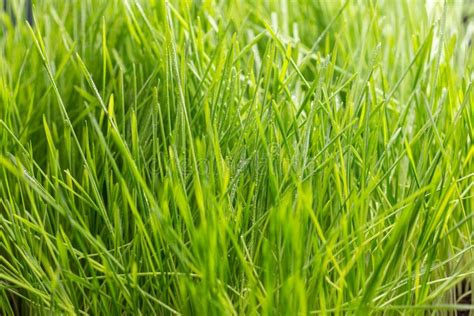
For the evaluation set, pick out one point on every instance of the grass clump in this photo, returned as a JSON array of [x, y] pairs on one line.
[[236, 157]]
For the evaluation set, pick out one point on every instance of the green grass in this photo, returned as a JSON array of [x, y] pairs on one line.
[[237, 157]]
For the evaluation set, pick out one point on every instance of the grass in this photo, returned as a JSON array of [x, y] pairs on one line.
[[237, 157]]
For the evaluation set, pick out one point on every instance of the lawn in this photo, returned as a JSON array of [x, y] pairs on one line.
[[237, 157]]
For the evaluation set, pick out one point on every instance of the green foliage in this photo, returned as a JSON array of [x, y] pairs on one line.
[[215, 157]]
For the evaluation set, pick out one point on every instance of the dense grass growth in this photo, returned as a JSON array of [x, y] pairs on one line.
[[236, 157]]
